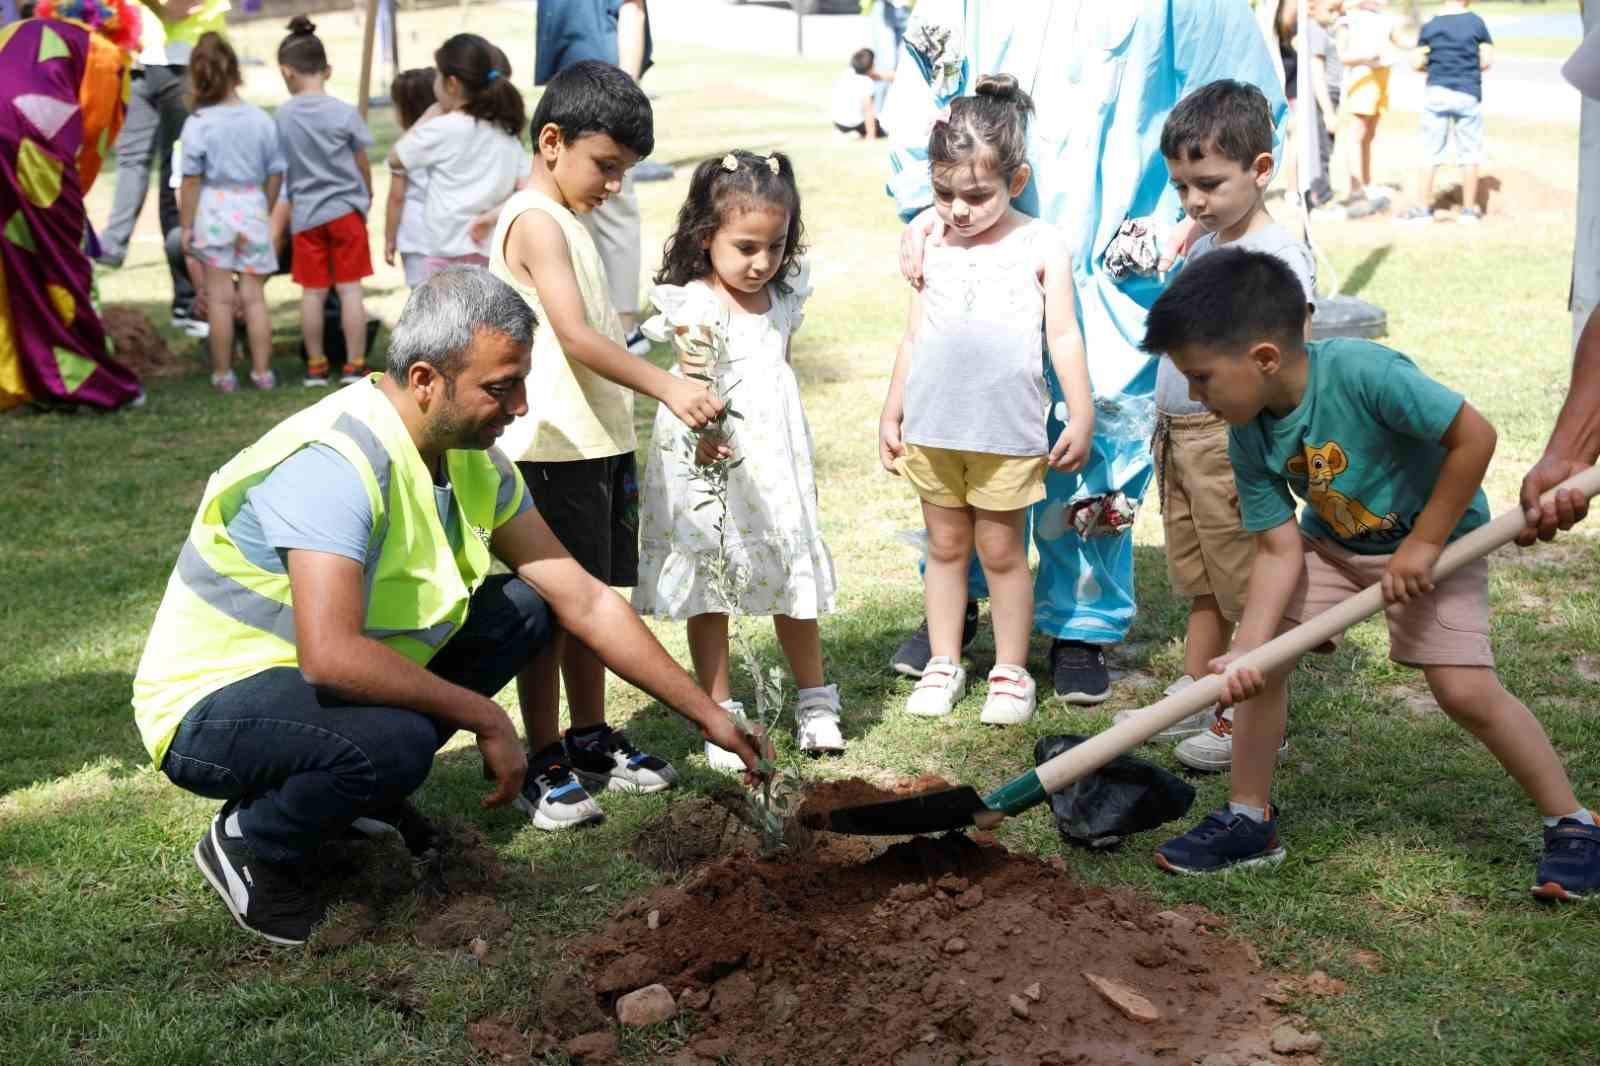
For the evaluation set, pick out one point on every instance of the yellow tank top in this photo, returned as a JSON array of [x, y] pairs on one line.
[[573, 413]]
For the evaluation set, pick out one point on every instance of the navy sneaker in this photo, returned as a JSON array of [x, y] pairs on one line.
[[1222, 841], [606, 760], [1570, 867], [911, 657], [551, 797], [1079, 672]]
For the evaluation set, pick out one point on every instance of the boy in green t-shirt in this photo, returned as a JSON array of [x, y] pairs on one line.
[[1389, 463]]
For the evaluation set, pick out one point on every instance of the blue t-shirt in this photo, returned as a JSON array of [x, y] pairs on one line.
[[231, 144], [315, 500], [321, 137], [575, 30], [1362, 449], [1452, 43]]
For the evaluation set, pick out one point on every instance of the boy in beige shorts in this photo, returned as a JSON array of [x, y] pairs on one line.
[[1218, 147], [1389, 464]]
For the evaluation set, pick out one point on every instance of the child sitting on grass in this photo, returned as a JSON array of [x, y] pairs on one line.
[[1218, 146], [1408, 456]]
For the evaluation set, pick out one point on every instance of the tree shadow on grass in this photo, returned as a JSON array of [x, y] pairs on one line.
[[55, 726]]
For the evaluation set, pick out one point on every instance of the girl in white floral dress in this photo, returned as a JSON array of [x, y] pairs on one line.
[[730, 293]]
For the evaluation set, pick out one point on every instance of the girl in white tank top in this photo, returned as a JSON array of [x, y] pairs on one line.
[[965, 419]]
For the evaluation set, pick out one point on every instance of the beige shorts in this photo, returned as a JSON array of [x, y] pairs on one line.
[[1448, 627], [948, 478], [1208, 551]]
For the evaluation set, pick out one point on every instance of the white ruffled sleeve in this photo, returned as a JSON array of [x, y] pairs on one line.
[[680, 305], [799, 281]]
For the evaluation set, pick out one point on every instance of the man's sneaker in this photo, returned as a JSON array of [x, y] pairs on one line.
[[1570, 867], [268, 899], [1212, 750], [1222, 841], [816, 722], [1012, 696], [911, 657], [552, 798], [721, 758], [198, 328], [1414, 215], [942, 685], [352, 373], [420, 835], [605, 760], [637, 343], [1470, 215], [316, 376], [1185, 727], [1079, 672]]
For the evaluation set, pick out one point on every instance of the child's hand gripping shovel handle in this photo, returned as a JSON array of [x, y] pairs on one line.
[[1100, 749]]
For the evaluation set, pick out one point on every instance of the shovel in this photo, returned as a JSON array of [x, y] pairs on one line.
[[956, 808]]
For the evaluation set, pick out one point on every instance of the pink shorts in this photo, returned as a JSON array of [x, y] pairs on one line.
[[432, 264], [1448, 627]]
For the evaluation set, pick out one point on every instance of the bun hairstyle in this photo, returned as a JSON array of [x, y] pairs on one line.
[[412, 93], [485, 76], [302, 50], [718, 191], [994, 120], [213, 71]]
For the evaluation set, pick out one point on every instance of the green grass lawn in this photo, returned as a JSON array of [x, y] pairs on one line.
[[1405, 841]]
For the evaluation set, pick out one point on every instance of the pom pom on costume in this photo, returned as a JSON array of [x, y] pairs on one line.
[[116, 20]]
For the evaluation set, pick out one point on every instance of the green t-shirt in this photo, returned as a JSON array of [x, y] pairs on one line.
[[1362, 449]]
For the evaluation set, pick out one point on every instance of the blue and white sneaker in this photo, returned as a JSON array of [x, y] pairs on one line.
[[606, 760], [1222, 841], [552, 798], [1570, 868]]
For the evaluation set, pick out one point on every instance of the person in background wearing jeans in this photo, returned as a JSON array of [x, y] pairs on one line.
[[1455, 49], [156, 114]]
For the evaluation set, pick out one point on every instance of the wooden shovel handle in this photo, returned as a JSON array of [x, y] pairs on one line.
[[1064, 769]]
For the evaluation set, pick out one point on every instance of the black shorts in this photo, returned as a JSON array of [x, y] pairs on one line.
[[592, 506]]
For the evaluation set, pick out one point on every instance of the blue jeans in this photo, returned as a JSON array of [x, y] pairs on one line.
[[300, 764]]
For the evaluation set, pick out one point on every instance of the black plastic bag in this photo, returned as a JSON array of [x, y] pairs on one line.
[[1125, 796]]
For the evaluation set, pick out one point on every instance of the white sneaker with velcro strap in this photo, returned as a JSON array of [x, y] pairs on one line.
[[943, 684], [1012, 696], [816, 722]]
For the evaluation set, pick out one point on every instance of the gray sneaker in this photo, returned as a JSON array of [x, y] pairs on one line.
[[1197, 722]]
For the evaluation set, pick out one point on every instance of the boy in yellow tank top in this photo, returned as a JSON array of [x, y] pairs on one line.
[[576, 443]]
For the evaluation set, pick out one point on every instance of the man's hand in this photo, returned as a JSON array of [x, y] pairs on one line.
[[924, 230], [890, 446], [504, 762], [727, 734], [711, 448], [186, 241], [695, 405], [1410, 570], [1566, 510], [1243, 683], [1072, 447], [1178, 243]]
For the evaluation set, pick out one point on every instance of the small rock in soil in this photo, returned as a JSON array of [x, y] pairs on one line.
[[952, 884], [969, 899], [695, 999], [1034, 992], [647, 1006], [1019, 1006], [593, 1047], [653, 920], [1178, 923], [713, 1047], [955, 946], [1287, 1040], [1151, 956], [930, 989], [781, 1007], [1125, 999], [629, 972]]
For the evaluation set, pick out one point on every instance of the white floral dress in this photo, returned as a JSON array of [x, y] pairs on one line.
[[772, 533]]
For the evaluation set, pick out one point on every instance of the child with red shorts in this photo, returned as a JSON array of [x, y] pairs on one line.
[[330, 190]]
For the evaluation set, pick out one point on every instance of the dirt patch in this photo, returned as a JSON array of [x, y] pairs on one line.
[[138, 345], [826, 796], [934, 952]]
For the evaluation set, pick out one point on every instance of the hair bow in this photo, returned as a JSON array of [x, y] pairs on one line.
[[940, 117], [494, 72], [730, 162], [772, 163]]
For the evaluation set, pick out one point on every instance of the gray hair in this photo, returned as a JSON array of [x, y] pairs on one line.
[[445, 312]]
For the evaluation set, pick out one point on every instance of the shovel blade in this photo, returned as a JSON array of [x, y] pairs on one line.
[[928, 812]]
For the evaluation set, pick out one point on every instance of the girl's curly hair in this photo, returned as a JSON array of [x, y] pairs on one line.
[[716, 193]]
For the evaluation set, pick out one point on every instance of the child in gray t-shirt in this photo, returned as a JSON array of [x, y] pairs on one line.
[[1218, 147]]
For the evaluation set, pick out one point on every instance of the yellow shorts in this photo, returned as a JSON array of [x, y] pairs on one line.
[[948, 478], [1208, 551], [1365, 92]]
